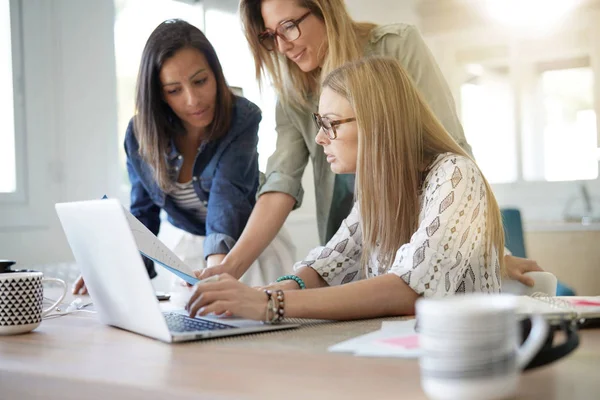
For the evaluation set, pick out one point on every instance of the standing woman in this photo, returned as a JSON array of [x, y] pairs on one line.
[[295, 43], [191, 151]]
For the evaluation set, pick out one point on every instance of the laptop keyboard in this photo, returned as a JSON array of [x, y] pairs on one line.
[[181, 323]]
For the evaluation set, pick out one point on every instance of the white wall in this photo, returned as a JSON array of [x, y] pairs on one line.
[[70, 122]]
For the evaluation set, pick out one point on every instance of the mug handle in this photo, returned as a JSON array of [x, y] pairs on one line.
[[550, 353], [534, 342], [62, 296]]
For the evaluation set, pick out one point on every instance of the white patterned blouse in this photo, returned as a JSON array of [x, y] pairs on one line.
[[446, 253]]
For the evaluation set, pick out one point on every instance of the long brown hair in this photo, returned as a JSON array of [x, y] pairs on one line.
[[345, 42], [155, 122], [398, 134]]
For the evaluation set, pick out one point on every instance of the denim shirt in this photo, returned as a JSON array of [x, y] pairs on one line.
[[225, 178]]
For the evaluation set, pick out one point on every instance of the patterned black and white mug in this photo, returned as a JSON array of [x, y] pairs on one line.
[[21, 298]]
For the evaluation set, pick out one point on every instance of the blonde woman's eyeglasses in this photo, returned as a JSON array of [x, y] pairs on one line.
[[329, 125], [288, 31]]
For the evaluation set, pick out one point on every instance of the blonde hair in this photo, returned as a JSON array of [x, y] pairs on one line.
[[345, 42], [398, 136]]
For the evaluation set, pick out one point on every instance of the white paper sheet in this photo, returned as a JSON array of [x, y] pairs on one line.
[[394, 339]]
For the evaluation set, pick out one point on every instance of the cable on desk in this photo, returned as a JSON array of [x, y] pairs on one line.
[[76, 305]]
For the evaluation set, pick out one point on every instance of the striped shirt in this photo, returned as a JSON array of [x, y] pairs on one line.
[[186, 198]]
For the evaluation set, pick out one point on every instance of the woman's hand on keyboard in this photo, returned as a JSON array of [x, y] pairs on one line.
[[225, 297]]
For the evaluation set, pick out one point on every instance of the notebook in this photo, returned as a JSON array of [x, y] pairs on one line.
[[150, 246], [585, 310]]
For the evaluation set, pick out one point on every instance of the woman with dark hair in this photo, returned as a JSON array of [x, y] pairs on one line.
[[192, 150]]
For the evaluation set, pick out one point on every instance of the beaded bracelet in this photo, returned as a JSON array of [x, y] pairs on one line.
[[270, 306], [296, 278], [280, 306], [276, 305]]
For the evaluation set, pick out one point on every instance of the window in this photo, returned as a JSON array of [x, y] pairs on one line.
[[8, 173], [555, 138], [134, 22], [487, 105], [528, 98], [567, 139]]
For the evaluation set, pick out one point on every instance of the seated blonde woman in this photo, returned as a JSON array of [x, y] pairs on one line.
[[425, 221]]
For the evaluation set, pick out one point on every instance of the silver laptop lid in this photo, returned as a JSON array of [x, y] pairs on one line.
[[112, 267]]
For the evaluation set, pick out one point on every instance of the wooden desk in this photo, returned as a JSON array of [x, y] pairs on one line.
[[75, 357]]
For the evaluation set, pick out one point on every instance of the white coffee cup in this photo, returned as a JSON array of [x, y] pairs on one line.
[[470, 346], [21, 299]]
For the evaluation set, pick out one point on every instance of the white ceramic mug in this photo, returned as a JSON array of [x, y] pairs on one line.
[[470, 346], [21, 299]]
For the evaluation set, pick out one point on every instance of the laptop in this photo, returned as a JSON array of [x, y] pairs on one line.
[[114, 273]]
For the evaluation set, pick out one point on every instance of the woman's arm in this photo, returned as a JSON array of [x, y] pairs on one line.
[[310, 277], [266, 220], [278, 196], [214, 259], [386, 295], [383, 296]]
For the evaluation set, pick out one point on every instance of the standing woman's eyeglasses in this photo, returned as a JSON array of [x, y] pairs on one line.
[[328, 125], [287, 31]]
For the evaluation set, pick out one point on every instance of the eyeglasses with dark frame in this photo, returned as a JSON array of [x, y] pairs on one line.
[[328, 125], [287, 30]]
